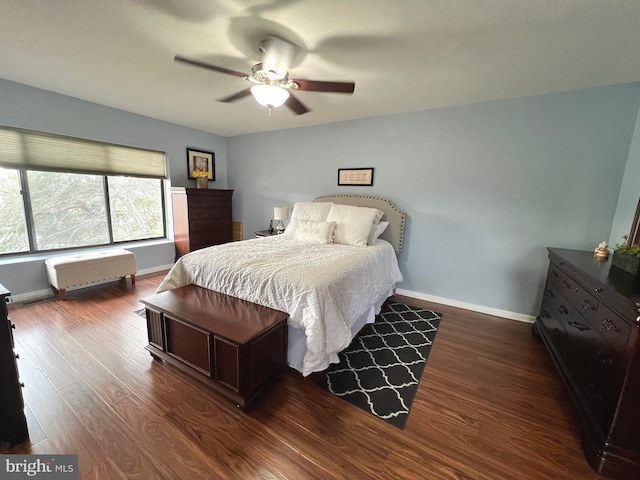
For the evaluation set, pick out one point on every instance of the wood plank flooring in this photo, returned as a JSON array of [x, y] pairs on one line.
[[490, 405]]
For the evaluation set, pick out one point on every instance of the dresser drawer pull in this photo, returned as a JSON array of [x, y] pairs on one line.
[[587, 305], [598, 289], [562, 309], [602, 359], [578, 326], [593, 392], [549, 293], [554, 274], [565, 284], [609, 325]]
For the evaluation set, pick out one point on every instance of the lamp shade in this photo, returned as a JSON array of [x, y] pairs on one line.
[[270, 95], [280, 213]]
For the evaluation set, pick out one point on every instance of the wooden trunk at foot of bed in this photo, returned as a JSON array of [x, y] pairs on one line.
[[235, 346]]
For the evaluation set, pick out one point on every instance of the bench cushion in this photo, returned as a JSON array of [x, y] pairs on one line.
[[70, 270]]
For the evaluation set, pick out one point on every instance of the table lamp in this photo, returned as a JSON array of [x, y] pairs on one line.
[[280, 213]]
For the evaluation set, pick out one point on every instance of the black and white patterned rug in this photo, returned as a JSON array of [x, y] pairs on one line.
[[380, 370]]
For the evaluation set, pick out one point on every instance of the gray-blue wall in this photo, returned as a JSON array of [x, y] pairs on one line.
[[35, 109], [486, 187]]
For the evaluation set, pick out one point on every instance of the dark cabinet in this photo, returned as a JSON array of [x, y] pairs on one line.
[[13, 424], [201, 218], [589, 322], [235, 346]]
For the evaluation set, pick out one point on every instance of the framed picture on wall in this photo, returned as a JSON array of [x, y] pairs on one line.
[[355, 176], [201, 161]]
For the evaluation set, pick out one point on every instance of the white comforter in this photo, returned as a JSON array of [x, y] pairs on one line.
[[323, 288]]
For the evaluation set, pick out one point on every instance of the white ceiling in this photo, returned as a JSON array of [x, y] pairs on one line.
[[404, 55]]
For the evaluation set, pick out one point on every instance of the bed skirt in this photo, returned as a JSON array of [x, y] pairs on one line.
[[298, 341]]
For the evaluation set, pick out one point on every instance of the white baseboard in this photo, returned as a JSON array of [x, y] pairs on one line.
[[40, 294], [520, 317]]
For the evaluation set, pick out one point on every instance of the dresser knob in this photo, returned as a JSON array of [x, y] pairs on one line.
[[587, 305], [602, 359], [608, 325], [17, 355], [599, 289], [13, 325], [22, 384]]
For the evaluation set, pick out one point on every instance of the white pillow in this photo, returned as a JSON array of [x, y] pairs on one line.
[[310, 211], [315, 232], [353, 224], [376, 231]]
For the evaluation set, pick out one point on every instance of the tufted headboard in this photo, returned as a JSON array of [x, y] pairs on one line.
[[394, 234]]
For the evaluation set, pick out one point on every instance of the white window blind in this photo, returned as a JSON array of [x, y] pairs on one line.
[[28, 150]]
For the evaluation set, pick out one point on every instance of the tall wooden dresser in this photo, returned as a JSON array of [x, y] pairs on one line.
[[589, 322], [13, 424], [201, 218]]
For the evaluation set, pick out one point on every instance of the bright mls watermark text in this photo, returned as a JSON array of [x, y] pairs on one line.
[[50, 467]]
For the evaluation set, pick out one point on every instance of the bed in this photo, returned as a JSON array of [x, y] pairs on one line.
[[330, 290]]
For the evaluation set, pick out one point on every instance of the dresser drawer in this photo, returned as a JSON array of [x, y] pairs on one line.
[[579, 297], [210, 201], [613, 328], [549, 317]]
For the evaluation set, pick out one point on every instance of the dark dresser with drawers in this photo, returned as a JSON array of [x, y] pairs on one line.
[[13, 424], [201, 218], [589, 322]]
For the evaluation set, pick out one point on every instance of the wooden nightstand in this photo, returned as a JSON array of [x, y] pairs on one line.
[[266, 233]]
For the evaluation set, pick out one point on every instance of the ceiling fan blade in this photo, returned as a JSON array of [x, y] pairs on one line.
[[296, 105], [236, 96], [334, 87], [208, 66]]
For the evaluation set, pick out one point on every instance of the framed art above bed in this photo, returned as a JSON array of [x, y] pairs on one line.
[[355, 177]]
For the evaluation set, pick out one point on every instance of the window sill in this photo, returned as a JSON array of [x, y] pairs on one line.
[[41, 256]]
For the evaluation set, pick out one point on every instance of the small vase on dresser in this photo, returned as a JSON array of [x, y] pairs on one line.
[[202, 182]]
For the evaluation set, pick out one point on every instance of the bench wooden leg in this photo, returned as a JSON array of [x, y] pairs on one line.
[[133, 279], [63, 293]]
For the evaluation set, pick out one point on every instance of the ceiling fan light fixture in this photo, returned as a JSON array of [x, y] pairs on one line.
[[270, 96]]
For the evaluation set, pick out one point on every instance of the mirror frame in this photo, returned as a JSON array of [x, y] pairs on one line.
[[634, 234]]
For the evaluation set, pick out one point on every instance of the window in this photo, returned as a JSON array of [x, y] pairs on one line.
[[136, 208], [70, 210], [13, 227], [61, 192]]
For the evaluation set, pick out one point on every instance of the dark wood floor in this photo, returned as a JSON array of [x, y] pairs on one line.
[[490, 406]]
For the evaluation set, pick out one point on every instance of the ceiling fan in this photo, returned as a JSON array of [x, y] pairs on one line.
[[272, 85]]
